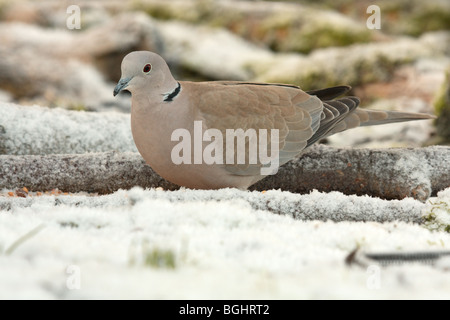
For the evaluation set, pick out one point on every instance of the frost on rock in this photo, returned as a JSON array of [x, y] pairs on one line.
[[333, 206], [437, 212], [58, 131], [390, 173], [387, 173]]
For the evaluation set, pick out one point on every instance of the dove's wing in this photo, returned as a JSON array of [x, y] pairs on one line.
[[232, 105]]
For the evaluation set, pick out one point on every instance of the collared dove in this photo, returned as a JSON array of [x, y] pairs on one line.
[[165, 110]]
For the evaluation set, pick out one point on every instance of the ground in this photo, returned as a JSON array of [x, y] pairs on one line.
[[143, 244]]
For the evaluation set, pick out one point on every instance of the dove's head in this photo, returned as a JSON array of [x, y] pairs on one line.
[[144, 70]]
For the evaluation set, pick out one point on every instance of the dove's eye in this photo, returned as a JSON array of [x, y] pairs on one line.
[[147, 68]]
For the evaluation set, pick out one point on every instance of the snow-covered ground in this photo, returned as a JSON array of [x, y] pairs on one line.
[[188, 244]]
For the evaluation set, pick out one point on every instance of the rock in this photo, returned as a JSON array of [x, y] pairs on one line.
[[390, 173], [417, 80], [284, 27], [54, 13], [212, 53], [49, 131], [23, 12], [315, 206], [55, 67], [415, 17], [105, 45], [33, 77], [407, 17], [355, 65], [387, 173]]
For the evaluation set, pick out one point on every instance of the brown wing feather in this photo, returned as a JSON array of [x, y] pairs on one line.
[[336, 113], [328, 94], [253, 106]]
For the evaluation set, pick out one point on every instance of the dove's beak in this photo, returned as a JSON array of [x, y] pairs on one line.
[[122, 84]]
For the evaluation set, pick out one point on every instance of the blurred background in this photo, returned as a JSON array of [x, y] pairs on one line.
[[67, 54]]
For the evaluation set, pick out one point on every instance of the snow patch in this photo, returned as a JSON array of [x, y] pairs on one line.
[[49, 131]]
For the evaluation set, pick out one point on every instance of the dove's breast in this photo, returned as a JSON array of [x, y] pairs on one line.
[[164, 133]]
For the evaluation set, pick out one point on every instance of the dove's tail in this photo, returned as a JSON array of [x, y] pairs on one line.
[[342, 114], [366, 117], [369, 117]]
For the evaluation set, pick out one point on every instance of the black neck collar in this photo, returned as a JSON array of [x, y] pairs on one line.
[[170, 96]]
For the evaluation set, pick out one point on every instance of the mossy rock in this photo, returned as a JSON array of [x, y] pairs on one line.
[[442, 109], [3, 5], [287, 32], [329, 36], [429, 20], [409, 17], [197, 12], [438, 218], [416, 17], [358, 69], [285, 28]]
